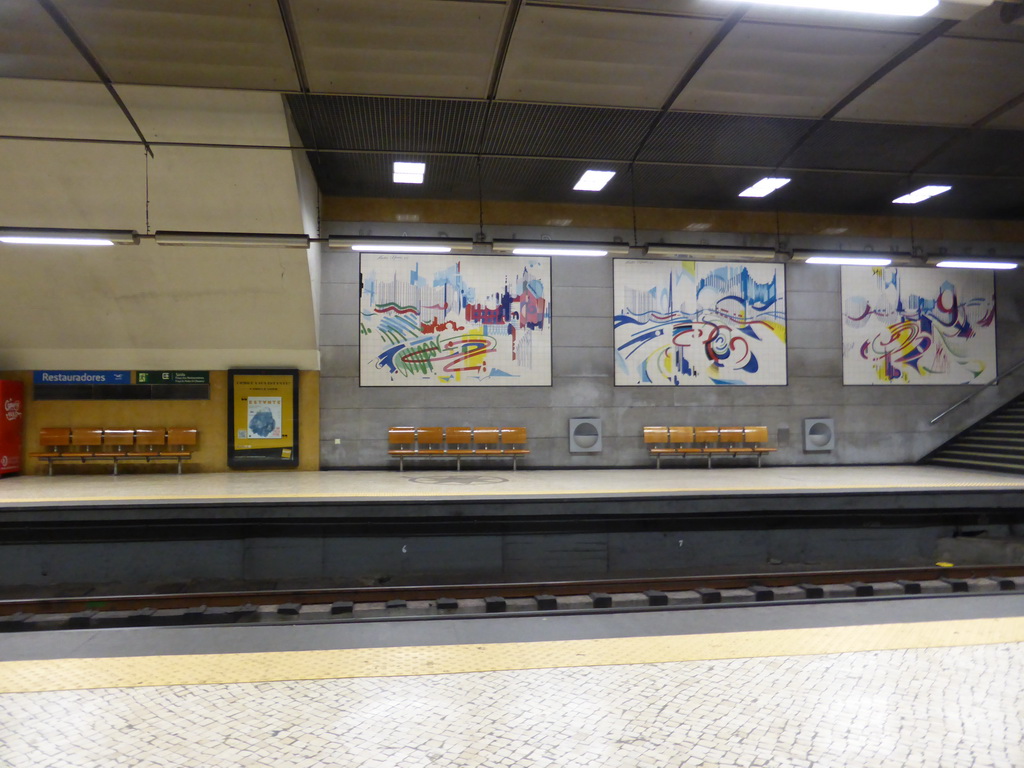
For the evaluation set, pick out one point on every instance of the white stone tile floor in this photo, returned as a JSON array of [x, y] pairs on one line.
[[960, 707]]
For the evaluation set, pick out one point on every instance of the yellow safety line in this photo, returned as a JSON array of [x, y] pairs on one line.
[[130, 672], [427, 494]]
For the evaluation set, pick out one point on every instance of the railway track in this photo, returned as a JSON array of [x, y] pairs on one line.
[[392, 602]]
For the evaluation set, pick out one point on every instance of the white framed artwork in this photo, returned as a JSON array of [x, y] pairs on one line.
[[437, 320], [917, 325], [693, 323]]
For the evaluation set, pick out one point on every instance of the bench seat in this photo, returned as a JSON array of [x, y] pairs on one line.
[[707, 442], [91, 444], [457, 443]]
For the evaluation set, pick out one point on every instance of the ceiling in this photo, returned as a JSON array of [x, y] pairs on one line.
[[689, 101]]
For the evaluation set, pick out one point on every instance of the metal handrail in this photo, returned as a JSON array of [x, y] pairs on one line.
[[978, 391]]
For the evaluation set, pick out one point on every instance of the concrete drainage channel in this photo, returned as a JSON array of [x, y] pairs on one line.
[[348, 611]]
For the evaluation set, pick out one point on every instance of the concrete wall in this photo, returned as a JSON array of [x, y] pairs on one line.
[[874, 424], [221, 162]]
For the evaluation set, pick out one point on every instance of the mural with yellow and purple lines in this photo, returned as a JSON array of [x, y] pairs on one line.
[[914, 325]]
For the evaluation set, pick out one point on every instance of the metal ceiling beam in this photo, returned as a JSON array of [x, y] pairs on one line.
[[288, 21], [723, 31], [966, 133], [83, 49], [496, 156], [918, 45]]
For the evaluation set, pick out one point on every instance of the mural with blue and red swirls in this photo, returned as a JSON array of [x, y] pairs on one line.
[[691, 323]]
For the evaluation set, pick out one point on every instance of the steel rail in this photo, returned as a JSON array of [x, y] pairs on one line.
[[383, 594]]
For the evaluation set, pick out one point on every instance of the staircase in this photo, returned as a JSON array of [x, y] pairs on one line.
[[995, 443]]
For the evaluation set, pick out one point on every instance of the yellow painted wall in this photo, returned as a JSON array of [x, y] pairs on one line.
[[208, 416]]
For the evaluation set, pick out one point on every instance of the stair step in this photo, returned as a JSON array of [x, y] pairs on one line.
[[955, 452], [967, 464]]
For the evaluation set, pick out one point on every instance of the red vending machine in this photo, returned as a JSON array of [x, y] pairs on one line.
[[11, 418]]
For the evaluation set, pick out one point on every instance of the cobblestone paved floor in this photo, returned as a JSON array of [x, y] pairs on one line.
[[933, 707]]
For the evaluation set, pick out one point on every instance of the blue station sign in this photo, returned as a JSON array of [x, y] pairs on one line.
[[82, 377]]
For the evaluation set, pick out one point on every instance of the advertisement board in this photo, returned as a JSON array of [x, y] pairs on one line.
[[263, 425]]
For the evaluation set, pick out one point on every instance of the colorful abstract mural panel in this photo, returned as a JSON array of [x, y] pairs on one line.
[[437, 320], [918, 326], [692, 323]]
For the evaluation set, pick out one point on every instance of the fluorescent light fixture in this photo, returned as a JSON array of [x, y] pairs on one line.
[[558, 248], [232, 239], [954, 264], [558, 252], [712, 253], [399, 244], [764, 187], [409, 173], [921, 194], [850, 260], [593, 181], [887, 7], [80, 237]]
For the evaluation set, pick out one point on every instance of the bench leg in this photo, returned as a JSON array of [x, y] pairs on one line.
[[513, 463], [115, 467], [179, 465], [458, 463]]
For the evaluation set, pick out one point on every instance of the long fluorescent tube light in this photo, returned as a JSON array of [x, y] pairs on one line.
[[558, 252], [81, 237], [558, 248], [594, 181], [400, 244], [712, 253], [887, 7], [232, 239], [954, 264], [850, 261], [922, 194], [764, 187], [409, 173]]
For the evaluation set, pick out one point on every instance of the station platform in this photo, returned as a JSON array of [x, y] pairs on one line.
[[136, 533], [889, 684], [336, 491]]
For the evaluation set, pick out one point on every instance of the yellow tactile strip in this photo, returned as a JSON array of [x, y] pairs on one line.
[[132, 672]]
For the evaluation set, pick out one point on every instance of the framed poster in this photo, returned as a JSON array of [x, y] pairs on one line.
[[430, 320], [693, 323], [263, 424], [918, 325]]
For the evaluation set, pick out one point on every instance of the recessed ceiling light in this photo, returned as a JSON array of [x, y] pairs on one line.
[[950, 264], [764, 187], [593, 181], [409, 173], [887, 7], [921, 194]]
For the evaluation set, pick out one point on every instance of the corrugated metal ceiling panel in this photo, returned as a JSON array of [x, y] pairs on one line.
[[689, 137], [546, 130], [388, 124], [870, 146]]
